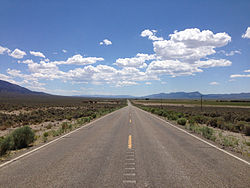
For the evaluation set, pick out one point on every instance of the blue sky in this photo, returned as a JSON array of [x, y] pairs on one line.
[[126, 47]]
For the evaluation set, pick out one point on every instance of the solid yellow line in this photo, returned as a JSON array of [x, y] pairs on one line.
[[129, 142]]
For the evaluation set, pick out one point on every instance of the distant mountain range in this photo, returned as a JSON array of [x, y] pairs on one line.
[[7, 89], [178, 95], [108, 96], [197, 95]]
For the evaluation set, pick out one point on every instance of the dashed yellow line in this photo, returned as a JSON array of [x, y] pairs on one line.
[[129, 142]]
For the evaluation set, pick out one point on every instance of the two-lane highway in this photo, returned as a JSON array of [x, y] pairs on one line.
[[128, 148]]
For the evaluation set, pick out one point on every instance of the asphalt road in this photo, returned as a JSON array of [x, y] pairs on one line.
[[128, 148]]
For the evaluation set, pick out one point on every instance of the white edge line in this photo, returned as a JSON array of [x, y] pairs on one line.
[[52, 141], [132, 168], [242, 160], [129, 174], [129, 181]]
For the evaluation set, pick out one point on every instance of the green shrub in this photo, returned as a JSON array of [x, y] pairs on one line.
[[68, 117], [228, 126], [60, 131], [191, 121], [80, 121], [240, 126], [230, 141], [54, 133], [213, 122], [220, 134], [36, 137], [88, 119], [247, 130], [70, 127], [221, 122], [207, 132], [6, 144], [64, 126], [192, 127], [160, 112], [200, 119], [172, 116], [45, 134], [182, 121], [247, 143], [164, 114], [49, 126], [214, 114], [22, 137], [179, 115]]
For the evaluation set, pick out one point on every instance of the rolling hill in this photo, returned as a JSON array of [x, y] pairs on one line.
[[7, 88]]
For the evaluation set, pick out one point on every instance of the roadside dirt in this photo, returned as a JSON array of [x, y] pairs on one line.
[[24, 111], [38, 128]]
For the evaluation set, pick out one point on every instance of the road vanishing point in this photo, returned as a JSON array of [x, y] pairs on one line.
[[127, 148]]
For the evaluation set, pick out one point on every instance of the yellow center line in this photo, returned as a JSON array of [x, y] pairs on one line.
[[129, 142]]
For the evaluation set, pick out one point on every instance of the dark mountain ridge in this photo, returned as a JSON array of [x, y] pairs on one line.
[[7, 88], [197, 95]]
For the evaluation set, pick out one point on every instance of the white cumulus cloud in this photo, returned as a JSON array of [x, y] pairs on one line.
[[38, 54], [171, 67], [106, 74], [45, 70], [185, 51], [190, 45], [137, 62], [231, 53], [27, 61], [240, 76], [79, 60], [105, 42], [179, 68], [247, 34], [7, 78], [18, 54], [150, 34], [4, 50], [195, 38], [28, 81], [213, 63]]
